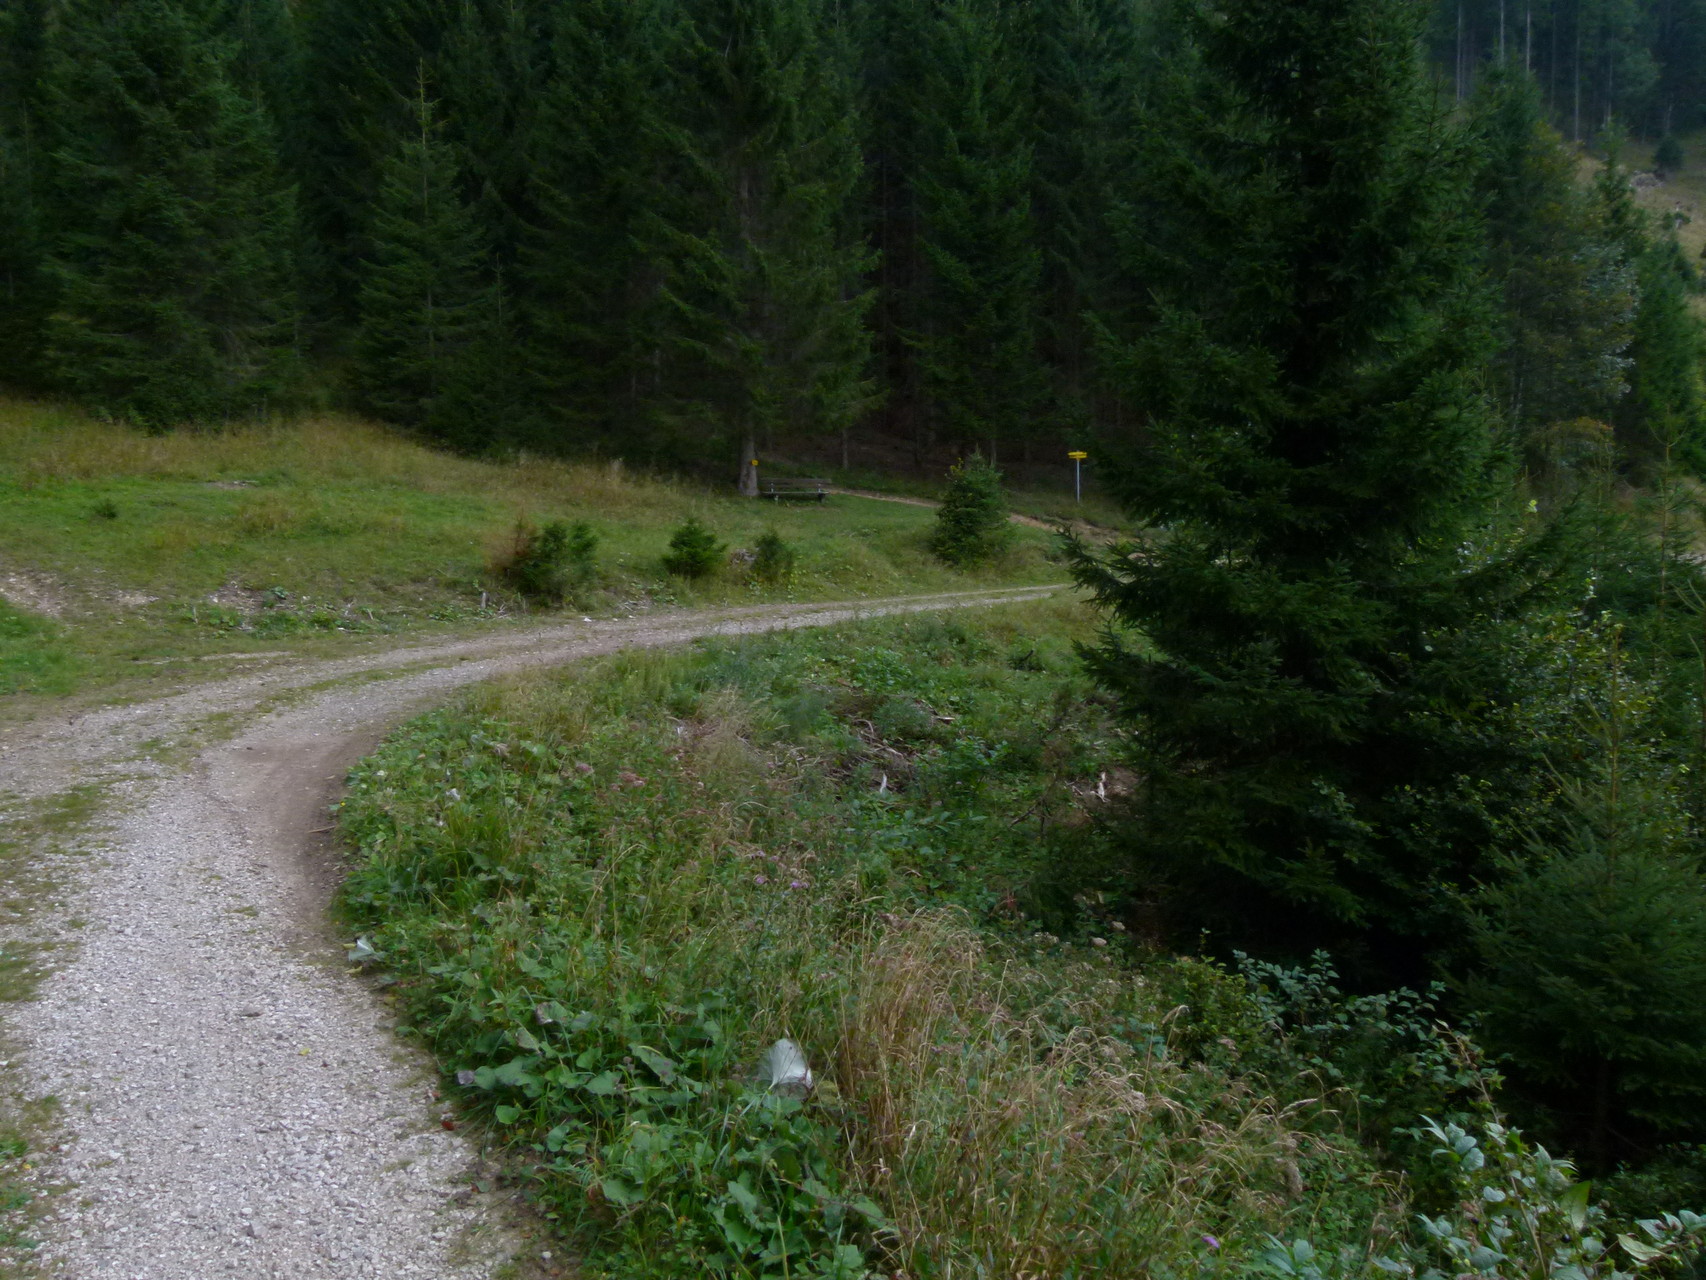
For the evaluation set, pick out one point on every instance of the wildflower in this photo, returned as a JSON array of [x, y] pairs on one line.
[[796, 884], [1211, 1242], [760, 879]]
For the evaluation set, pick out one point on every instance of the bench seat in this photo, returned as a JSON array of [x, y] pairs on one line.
[[779, 490]]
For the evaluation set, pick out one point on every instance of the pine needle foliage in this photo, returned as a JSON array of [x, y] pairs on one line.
[[765, 302], [1565, 292], [554, 562], [591, 289], [773, 559], [694, 551], [978, 338], [23, 295], [171, 258], [1315, 667], [972, 524], [431, 325]]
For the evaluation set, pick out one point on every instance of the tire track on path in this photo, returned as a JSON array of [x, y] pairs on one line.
[[232, 1103]]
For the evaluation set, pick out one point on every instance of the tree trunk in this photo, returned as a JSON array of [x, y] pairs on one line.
[[1458, 61], [1576, 129], [748, 465]]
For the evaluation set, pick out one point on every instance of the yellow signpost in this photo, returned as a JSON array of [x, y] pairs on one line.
[[1078, 456]]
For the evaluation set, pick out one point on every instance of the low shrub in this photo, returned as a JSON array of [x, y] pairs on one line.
[[772, 559], [1518, 1212], [973, 523], [554, 563], [694, 551]]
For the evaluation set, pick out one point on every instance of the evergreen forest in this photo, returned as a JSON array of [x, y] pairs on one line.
[[1352, 302]]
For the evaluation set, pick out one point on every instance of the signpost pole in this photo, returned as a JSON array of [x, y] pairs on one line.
[[1078, 456]]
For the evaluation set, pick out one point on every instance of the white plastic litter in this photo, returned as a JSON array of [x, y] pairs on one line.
[[784, 1070]]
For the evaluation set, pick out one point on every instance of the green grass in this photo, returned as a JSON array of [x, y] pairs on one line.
[[152, 548], [1682, 192], [33, 656], [599, 894]]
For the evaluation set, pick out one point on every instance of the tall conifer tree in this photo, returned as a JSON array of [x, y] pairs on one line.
[[1319, 718], [494, 68], [888, 39], [171, 255], [1566, 289], [1084, 67], [23, 292], [764, 277], [979, 326], [362, 59], [432, 338], [590, 287]]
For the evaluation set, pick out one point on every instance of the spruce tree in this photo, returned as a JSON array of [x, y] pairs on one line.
[[1588, 948], [978, 337], [1084, 66], [762, 282], [589, 285], [1566, 291], [494, 68], [1323, 710], [23, 292], [1665, 414], [887, 37], [432, 340], [361, 62], [170, 259]]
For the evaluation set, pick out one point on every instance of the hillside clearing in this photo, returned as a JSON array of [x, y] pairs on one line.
[[124, 556]]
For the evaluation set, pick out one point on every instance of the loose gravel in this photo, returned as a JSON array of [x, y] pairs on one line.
[[233, 1103]]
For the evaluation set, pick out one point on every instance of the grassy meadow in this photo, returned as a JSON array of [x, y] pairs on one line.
[[123, 554], [1681, 193]]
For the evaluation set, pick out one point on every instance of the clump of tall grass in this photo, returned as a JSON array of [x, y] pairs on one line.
[[1009, 1142]]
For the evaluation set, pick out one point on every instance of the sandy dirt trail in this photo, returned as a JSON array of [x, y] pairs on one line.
[[232, 1102]]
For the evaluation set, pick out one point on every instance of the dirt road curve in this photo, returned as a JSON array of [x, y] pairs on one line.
[[232, 1103]]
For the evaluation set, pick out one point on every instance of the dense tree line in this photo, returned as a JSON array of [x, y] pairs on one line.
[[1642, 61], [675, 228], [1371, 364]]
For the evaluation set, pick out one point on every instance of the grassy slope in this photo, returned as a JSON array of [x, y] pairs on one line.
[[1682, 192], [132, 551], [600, 893]]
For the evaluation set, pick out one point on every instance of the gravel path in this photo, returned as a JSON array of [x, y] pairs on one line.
[[232, 1103]]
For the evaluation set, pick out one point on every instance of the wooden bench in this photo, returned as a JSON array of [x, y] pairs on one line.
[[777, 490]]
